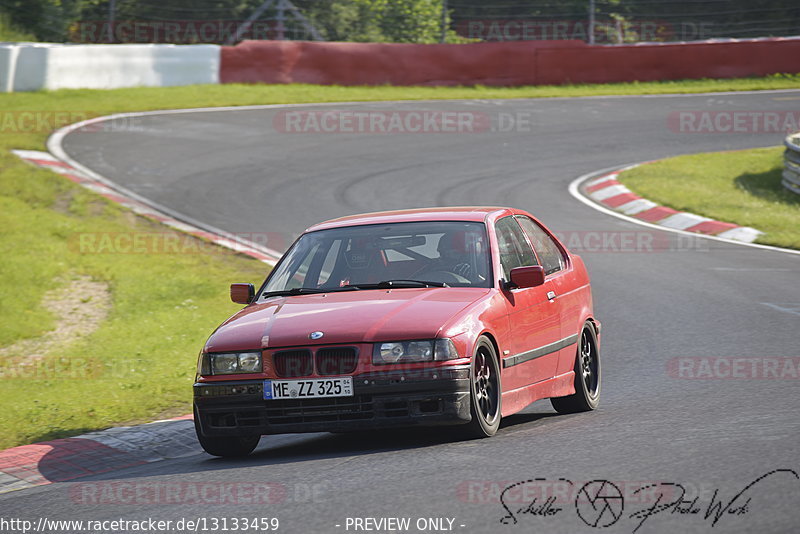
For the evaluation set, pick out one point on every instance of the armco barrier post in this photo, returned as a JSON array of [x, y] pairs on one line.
[[791, 173]]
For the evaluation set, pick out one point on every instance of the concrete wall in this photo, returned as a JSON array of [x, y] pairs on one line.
[[34, 66]]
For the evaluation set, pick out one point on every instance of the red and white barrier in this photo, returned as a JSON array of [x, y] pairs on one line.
[[34, 66]]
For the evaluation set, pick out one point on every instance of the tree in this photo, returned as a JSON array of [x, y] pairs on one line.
[[397, 21], [47, 20]]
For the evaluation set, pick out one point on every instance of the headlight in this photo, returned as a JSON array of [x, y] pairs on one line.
[[445, 350], [250, 362], [230, 363], [203, 365], [414, 351], [224, 364]]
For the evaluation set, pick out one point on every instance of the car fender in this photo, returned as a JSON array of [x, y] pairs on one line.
[[485, 316]]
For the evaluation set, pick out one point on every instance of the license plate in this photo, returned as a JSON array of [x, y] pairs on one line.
[[312, 388]]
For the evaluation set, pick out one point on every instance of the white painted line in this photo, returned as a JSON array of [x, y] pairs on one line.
[[637, 206], [608, 192], [138, 209], [100, 189], [61, 170], [574, 190], [682, 221], [55, 145], [753, 269], [41, 160], [793, 308], [35, 154], [183, 227], [233, 245], [743, 233]]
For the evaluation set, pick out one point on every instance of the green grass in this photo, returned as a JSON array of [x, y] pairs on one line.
[[96, 102], [139, 364], [742, 187]]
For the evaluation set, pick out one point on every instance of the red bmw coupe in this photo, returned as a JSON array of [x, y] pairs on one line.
[[440, 316]]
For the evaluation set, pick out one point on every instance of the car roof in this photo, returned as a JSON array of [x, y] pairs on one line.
[[461, 213]]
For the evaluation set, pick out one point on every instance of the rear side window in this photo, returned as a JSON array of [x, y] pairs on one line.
[[549, 254], [514, 249]]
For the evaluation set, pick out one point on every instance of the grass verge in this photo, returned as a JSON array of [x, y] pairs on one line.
[[139, 363], [149, 98], [742, 187]]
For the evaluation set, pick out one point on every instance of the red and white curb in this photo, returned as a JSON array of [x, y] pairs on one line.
[[62, 460], [138, 206], [609, 192]]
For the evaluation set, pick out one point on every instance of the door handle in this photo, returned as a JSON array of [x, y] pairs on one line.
[[551, 295]]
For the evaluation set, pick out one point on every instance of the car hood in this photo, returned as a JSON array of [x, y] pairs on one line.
[[343, 317]]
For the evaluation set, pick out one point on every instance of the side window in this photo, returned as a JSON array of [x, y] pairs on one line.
[[549, 254], [514, 249]]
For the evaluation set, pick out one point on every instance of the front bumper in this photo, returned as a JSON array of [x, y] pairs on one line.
[[436, 396]]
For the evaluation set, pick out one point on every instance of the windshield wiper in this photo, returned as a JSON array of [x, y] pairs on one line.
[[385, 284], [305, 291], [389, 284]]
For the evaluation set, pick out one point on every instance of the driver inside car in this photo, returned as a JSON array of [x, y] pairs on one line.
[[457, 254]]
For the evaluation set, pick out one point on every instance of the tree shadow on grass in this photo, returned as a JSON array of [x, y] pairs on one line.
[[767, 186]]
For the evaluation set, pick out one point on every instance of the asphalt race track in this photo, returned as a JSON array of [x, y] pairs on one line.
[[676, 298]]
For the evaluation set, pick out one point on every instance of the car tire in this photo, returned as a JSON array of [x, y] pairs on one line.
[[485, 391], [226, 447], [587, 376]]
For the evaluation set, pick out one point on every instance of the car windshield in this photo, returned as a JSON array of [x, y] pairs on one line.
[[414, 254]]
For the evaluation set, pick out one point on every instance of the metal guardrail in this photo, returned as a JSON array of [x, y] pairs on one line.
[[791, 173]]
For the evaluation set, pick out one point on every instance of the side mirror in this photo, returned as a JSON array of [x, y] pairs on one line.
[[522, 277], [242, 293]]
